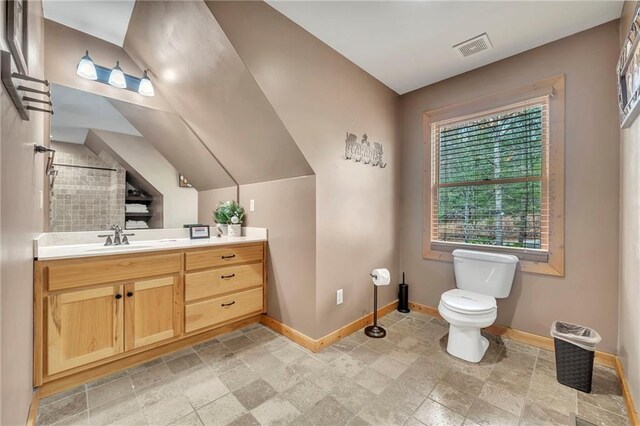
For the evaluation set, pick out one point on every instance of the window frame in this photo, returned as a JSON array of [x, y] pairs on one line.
[[550, 261]]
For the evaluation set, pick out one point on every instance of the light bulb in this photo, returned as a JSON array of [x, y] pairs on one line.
[[145, 88], [116, 78], [86, 68]]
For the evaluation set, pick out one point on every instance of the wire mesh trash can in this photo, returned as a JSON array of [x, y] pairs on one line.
[[575, 346]]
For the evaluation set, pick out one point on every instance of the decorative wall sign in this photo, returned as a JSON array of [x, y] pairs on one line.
[[363, 151]]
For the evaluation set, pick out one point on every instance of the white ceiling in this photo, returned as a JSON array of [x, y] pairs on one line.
[[77, 111], [107, 20], [408, 44]]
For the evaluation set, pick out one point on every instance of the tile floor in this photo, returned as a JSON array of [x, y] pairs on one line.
[[257, 377]]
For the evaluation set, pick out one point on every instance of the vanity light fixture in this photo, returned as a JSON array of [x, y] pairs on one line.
[[116, 78], [145, 88], [86, 68]]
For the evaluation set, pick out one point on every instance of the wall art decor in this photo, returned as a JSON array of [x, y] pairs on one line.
[[628, 72], [17, 32], [363, 151]]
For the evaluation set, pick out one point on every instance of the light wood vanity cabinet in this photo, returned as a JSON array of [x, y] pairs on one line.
[[99, 314]]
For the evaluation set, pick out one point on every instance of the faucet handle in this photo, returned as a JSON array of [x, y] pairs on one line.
[[109, 242], [116, 228], [125, 240]]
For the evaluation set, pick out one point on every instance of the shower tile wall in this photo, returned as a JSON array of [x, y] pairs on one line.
[[86, 199]]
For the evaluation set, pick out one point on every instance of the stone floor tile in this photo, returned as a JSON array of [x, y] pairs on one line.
[[484, 413], [353, 396], [261, 335], [308, 365], [281, 377], [463, 382], [599, 416], [109, 391], [62, 395], [252, 327], [327, 355], [503, 397], [451, 398], [190, 419], [365, 355], [430, 413], [372, 380], [238, 377], [275, 411], [206, 344], [238, 343], [230, 335], [535, 415], [114, 376], [328, 380], [547, 392], [388, 366], [114, 411], [221, 411], [151, 376], [328, 412], [201, 387], [382, 346], [140, 367], [180, 364], [167, 411], [62, 409], [606, 392], [288, 354], [303, 395], [134, 419], [348, 366], [254, 394], [260, 361], [402, 396], [346, 345], [246, 420], [381, 413], [179, 353]]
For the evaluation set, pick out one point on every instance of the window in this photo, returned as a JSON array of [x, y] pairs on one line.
[[493, 185]]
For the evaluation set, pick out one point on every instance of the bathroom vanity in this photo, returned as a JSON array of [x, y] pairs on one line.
[[100, 309]]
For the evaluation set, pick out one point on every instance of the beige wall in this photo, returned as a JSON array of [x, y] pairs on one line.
[[588, 293], [320, 96], [288, 208], [21, 177], [629, 314]]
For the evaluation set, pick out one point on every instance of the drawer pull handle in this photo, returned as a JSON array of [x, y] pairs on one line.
[[228, 304], [231, 256], [224, 277]]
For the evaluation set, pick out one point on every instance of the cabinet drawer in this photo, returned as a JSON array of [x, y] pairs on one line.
[[90, 271], [214, 311], [222, 256], [199, 285]]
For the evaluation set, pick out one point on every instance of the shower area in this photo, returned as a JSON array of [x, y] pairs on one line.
[[87, 191]]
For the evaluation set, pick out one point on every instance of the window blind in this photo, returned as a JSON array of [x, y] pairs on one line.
[[489, 180]]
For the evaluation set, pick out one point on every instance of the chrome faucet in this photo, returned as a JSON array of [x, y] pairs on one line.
[[118, 238]]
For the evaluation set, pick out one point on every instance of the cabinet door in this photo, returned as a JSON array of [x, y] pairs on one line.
[[83, 327], [151, 311]]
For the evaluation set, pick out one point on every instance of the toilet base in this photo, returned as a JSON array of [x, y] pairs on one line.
[[467, 343]]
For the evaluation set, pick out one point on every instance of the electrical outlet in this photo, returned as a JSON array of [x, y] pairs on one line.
[[339, 297], [252, 205]]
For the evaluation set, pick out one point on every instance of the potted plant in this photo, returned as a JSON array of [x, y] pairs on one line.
[[230, 215]]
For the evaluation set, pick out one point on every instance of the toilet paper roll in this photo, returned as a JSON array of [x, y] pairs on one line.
[[381, 276]]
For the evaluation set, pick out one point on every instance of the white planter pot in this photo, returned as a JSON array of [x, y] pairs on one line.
[[235, 230], [223, 227]]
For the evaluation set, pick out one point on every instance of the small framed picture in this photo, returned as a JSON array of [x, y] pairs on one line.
[[199, 231], [17, 32]]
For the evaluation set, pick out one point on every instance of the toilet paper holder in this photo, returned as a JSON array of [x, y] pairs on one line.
[[375, 330]]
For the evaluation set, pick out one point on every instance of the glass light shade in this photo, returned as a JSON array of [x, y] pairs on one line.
[[116, 78], [86, 68], [145, 88]]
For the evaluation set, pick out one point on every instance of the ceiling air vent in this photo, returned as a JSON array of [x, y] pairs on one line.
[[473, 46]]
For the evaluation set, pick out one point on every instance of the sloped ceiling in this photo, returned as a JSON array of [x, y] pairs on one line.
[[196, 68], [173, 139]]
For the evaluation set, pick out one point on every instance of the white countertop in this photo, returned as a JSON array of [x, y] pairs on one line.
[[68, 245]]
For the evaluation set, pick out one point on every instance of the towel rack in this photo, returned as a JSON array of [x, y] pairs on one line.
[[7, 77]]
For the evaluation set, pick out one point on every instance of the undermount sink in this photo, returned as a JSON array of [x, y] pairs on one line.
[[120, 247]]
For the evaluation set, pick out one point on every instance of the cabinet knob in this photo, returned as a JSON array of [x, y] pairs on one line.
[[118, 296], [129, 294]]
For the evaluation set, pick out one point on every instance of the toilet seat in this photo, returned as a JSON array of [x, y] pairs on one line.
[[468, 302]]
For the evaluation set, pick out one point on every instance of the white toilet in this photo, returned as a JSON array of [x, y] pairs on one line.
[[480, 278]]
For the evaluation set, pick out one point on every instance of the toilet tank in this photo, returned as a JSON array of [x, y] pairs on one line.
[[484, 273]]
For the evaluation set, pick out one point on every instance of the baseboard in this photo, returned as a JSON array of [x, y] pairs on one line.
[[542, 342], [316, 345], [33, 408], [634, 418]]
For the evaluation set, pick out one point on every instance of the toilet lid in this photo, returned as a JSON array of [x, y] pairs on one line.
[[468, 302]]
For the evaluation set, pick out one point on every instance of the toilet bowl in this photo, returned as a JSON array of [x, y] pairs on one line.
[[480, 278]]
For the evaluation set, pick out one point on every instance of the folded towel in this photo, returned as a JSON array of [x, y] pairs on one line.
[[136, 208], [136, 224]]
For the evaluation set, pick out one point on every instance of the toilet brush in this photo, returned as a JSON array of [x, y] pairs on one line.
[[379, 277]]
